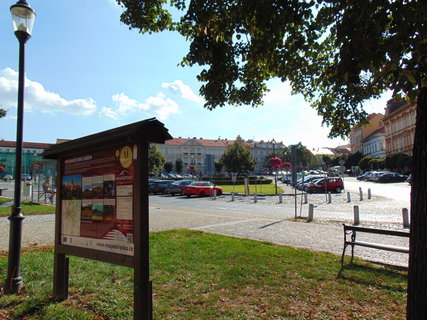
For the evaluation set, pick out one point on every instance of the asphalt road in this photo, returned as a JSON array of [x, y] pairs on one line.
[[265, 220]]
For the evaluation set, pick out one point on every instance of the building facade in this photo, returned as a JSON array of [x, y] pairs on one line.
[[399, 123], [374, 145], [199, 155], [31, 153], [361, 132]]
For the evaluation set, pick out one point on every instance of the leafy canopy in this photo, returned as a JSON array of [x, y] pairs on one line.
[[156, 159], [238, 158], [336, 53]]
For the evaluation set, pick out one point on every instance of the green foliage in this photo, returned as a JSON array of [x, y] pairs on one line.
[[218, 166], [399, 162], [179, 165], [240, 181], [2, 113], [168, 166], [238, 158], [156, 159], [334, 53]]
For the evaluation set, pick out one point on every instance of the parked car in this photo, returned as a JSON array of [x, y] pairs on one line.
[[302, 183], [159, 186], [7, 177], [365, 176], [25, 177], [201, 189], [326, 184], [409, 180], [392, 177], [177, 187]]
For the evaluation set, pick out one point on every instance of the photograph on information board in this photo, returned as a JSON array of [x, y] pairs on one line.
[[97, 200]]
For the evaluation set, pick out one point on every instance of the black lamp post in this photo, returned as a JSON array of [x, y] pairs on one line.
[[23, 20]]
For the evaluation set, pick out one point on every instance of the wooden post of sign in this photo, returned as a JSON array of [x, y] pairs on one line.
[[60, 276], [142, 285]]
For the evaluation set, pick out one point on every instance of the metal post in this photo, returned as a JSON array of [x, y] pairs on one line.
[[232, 196], [348, 197], [310, 212], [305, 198], [14, 282], [405, 217], [255, 198], [280, 197], [360, 194], [329, 197], [356, 215], [369, 193], [214, 195]]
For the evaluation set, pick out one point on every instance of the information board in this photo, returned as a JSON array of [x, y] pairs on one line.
[[97, 200]]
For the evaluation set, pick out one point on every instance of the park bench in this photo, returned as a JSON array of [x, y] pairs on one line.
[[353, 230], [1, 191]]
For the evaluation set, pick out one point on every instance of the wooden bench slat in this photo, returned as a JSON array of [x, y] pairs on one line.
[[380, 246]]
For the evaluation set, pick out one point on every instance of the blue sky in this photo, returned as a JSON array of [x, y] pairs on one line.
[[87, 72]]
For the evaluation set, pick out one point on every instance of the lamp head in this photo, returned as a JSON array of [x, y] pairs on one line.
[[23, 18]]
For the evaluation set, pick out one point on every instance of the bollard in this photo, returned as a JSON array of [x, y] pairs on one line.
[[214, 195], [255, 198], [310, 212], [356, 215], [232, 196], [360, 194], [405, 217], [348, 197], [280, 197], [329, 197], [369, 193], [305, 198]]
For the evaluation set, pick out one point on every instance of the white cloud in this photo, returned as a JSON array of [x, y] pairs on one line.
[[38, 98], [184, 91], [163, 106], [126, 106]]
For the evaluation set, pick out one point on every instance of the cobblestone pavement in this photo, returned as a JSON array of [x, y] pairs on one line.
[[266, 220]]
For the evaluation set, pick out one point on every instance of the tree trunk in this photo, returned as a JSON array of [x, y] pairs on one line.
[[417, 277]]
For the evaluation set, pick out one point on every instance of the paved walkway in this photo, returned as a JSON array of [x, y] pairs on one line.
[[320, 236]]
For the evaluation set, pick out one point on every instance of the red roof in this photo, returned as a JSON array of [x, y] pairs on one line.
[[203, 142], [30, 145]]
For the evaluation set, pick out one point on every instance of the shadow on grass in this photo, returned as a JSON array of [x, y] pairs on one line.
[[375, 276]]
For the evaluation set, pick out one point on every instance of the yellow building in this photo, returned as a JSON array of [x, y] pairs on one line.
[[399, 123], [360, 132]]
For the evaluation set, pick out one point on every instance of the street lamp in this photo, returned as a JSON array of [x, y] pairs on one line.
[[23, 20]]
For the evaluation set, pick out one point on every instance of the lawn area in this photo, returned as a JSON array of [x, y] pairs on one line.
[[203, 276], [253, 188], [28, 208]]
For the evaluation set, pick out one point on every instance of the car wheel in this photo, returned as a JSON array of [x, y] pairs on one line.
[[188, 195], [219, 193], [201, 194], [338, 189]]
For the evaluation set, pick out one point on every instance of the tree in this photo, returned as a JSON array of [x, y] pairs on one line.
[[168, 166], [178, 165], [2, 113], [238, 158], [337, 54], [156, 160], [218, 167]]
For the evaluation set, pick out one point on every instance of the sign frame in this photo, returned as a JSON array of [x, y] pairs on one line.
[[138, 135]]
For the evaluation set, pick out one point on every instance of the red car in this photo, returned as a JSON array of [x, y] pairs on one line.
[[201, 189], [326, 184]]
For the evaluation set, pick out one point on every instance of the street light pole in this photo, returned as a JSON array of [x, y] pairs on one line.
[[23, 20]]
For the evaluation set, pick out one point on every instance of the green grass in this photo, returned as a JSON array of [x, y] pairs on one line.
[[28, 208], [203, 276], [260, 189]]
